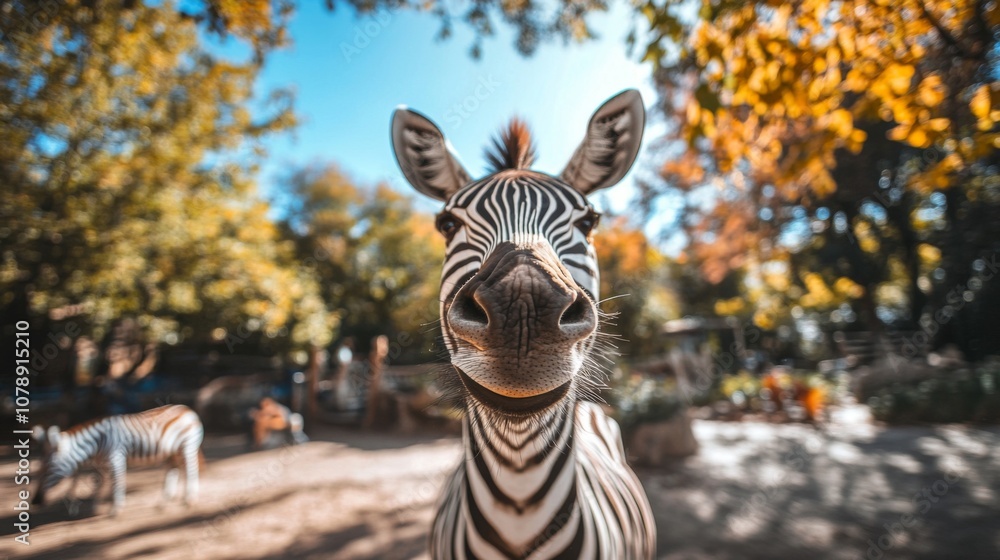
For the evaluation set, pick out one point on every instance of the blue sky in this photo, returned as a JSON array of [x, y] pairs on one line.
[[350, 73]]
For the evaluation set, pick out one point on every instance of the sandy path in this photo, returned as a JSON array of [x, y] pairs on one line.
[[370, 498], [754, 491]]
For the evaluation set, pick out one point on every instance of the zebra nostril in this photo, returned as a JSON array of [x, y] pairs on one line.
[[575, 313], [470, 310], [467, 317], [578, 320]]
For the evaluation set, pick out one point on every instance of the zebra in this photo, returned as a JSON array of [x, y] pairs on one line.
[[543, 473], [169, 434]]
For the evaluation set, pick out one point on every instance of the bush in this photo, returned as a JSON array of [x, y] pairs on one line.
[[948, 395], [638, 400]]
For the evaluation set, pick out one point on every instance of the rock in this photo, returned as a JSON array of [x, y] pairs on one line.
[[656, 444]]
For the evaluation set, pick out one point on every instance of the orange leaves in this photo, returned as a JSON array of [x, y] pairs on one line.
[[254, 20], [818, 294], [845, 287], [985, 105], [847, 41], [729, 307], [732, 243], [840, 122], [922, 133], [932, 91], [860, 76], [890, 89], [776, 90], [898, 77], [980, 104], [685, 170], [789, 66], [826, 84], [930, 256], [940, 176], [915, 136], [915, 111], [939, 124], [817, 177], [626, 247]]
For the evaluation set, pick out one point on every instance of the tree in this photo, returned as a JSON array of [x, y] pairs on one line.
[[829, 131], [377, 260], [263, 23], [635, 287], [128, 165]]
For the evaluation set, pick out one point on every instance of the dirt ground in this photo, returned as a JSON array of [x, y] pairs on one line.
[[754, 491]]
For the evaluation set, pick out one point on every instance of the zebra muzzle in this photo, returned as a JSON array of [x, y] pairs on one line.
[[522, 300]]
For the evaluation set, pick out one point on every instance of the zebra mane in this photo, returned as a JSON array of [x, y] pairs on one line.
[[77, 428], [512, 149]]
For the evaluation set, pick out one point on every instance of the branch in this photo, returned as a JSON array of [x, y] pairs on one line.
[[984, 29], [946, 34]]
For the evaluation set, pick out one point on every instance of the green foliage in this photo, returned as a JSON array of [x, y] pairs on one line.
[[743, 385], [850, 149], [128, 166], [962, 395], [377, 260], [534, 21], [130, 163], [637, 400], [263, 23], [636, 287]]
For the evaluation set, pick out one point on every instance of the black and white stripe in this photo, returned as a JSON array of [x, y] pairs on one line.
[[519, 207], [543, 474], [553, 485], [550, 487], [169, 434]]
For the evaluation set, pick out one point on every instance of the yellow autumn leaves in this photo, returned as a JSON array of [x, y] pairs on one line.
[[787, 108], [771, 295], [802, 75], [985, 105]]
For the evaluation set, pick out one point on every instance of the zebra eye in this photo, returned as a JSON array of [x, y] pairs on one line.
[[587, 223], [448, 224]]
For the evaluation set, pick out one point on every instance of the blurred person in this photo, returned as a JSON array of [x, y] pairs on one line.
[[273, 417]]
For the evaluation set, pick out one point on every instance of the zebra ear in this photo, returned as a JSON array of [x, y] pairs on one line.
[[425, 156], [610, 146], [53, 436]]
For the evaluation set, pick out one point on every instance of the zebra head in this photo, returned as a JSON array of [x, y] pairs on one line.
[[55, 463], [520, 281]]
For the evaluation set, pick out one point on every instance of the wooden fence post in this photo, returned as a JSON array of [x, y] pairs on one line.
[[312, 384], [380, 349]]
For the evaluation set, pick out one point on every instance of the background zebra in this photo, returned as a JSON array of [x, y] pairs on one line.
[[171, 434], [544, 474]]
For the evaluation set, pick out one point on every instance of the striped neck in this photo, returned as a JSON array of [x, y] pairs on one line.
[[521, 478], [76, 447]]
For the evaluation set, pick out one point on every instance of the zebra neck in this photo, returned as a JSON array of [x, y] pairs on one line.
[[521, 476], [84, 444]]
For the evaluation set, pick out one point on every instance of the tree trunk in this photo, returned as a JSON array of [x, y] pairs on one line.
[[380, 349]]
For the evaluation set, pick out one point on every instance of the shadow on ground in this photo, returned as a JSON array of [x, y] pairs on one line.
[[759, 491], [755, 491], [344, 495]]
